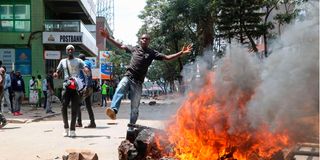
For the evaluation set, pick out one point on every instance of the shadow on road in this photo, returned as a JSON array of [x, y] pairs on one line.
[[7, 128], [93, 136]]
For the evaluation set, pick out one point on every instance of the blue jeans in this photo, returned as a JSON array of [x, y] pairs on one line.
[[135, 90]]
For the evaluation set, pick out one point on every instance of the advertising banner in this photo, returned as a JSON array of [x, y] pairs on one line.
[[52, 54], [7, 56], [106, 66], [23, 61]]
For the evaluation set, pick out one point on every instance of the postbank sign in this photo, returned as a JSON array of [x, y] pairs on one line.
[[62, 37]]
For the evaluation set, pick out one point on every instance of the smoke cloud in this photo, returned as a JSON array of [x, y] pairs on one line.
[[283, 89], [288, 96]]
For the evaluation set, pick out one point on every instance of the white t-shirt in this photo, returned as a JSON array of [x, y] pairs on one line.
[[75, 65]]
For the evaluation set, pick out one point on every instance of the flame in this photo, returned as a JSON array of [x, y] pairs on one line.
[[207, 128]]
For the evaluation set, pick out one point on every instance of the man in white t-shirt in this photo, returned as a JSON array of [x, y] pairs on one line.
[[71, 66]]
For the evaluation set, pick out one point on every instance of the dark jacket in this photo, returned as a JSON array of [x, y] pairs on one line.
[[17, 84]]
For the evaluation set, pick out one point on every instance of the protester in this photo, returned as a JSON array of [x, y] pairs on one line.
[[88, 93], [71, 66], [141, 59], [19, 92]]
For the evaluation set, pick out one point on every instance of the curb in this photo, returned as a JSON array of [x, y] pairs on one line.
[[31, 120]]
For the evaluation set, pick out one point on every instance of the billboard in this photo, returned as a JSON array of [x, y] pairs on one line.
[[106, 66]]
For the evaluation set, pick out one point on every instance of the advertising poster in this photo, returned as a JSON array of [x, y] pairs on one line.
[[105, 65], [23, 61], [7, 56]]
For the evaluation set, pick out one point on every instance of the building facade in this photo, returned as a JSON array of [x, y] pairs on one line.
[[34, 33]]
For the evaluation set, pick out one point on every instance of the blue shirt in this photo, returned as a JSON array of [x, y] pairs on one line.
[[7, 82], [87, 79]]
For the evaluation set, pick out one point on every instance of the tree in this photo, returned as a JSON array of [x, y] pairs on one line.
[[241, 20]]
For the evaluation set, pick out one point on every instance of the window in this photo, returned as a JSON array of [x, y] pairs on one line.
[[15, 18]]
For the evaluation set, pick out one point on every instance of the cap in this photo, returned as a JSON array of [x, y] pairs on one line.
[[69, 47]]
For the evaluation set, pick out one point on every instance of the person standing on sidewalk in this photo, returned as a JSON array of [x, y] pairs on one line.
[[71, 66], [141, 59], [7, 86], [88, 93], [39, 90], [104, 93], [19, 92], [49, 92], [3, 120]]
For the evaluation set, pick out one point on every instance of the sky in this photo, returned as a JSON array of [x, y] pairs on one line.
[[126, 21]]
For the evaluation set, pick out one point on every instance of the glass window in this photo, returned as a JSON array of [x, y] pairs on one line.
[[14, 17], [6, 11], [22, 25], [22, 11], [6, 25]]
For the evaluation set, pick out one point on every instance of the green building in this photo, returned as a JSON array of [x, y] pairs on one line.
[[34, 33]]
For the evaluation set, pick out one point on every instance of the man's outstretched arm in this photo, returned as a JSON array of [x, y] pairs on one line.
[[106, 35], [184, 50]]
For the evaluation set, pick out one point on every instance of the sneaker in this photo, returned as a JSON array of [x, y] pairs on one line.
[[66, 132], [19, 113], [111, 113], [15, 114], [91, 125], [78, 125], [3, 122], [73, 133]]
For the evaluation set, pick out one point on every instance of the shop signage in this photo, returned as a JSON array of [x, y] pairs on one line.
[[62, 37], [7, 56], [52, 54]]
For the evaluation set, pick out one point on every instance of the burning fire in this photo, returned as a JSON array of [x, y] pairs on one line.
[[207, 128]]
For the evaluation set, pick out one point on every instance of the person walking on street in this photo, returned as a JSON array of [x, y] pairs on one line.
[[71, 66], [7, 86], [141, 59], [49, 92], [19, 92], [88, 93], [104, 94]]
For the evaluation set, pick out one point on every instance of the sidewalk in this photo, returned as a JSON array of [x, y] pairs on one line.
[[32, 114]]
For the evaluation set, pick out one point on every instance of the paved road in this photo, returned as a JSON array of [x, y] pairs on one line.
[[35, 137]]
